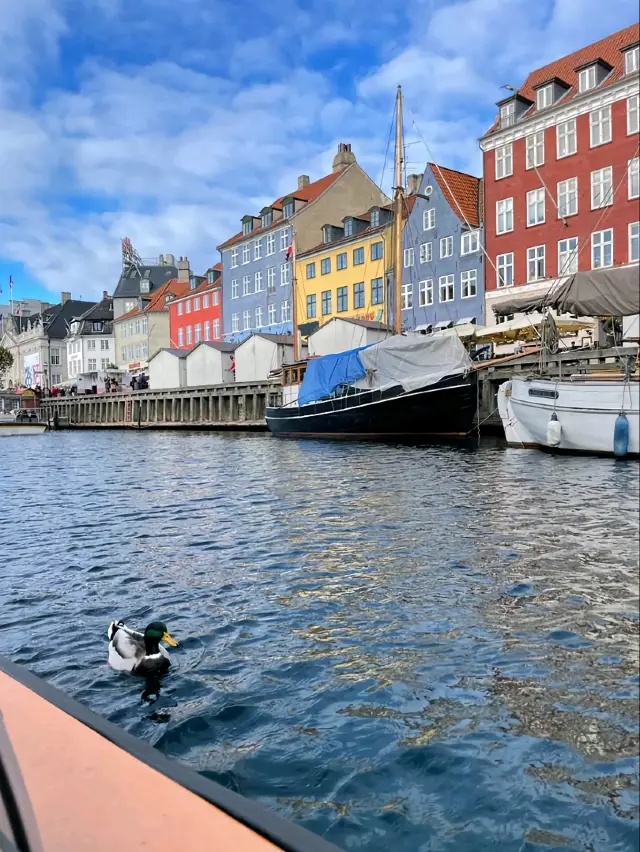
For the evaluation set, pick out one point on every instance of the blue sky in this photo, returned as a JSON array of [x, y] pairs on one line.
[[167, 120]]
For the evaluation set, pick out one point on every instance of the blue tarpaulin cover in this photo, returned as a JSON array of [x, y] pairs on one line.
[[324, 374]]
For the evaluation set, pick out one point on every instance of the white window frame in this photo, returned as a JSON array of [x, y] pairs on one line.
[[272, 313], [257, 249], [567, 189], [448, 282], [600, 126], [504, 161], [536, 208], [506, 213], [246, 254], [429, 219], [285, 239], [535, 150], [587, 79], [632, 60], [565, 254], [544, 96], [271, 278], [271, 244], [468, 279], [181, 337], [426, 252], [536, 258], [207, 330], [234, 258], [216, 329], [633, 114], [504, 262], [569, 134], [599, 180], [406, 294], [601, 244], [508, 114], [257, 282], [258, 317], [633, 178], [470, 242], [189, 335], [425, 293], [633, 237], [198, 333], [246, 285], [246, 320], [205, 301], [285, 311], [179, 309], [234, 288], [235, 322], [409, 257], [446, 247], [285, 274]]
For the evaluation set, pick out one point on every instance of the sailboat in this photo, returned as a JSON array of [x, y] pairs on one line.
[[407, 386], [597, 413]]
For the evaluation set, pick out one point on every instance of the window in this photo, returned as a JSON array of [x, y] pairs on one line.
[[602, 249], [271, 280], [246, 285], [504, 161], [55, 356], [343, 299], [504, 215], [634, 178], [632, 60], [285, 311], [469, 284], [446, 247], [325, 266], [341, 260], [600, 126], [179, 309], [311, 270], [429, 219], [602, 188], [312, 307], [205, 301], [138, 327], [91, 344], [258, 317], [246, 320], [409, 257], [216, 298], [568, 256], [189, 335], [235, 322], [145, 325], [246, 253], [285, 274], [196, 304], [104, 345], [566, 140], [187, 306], [544, 97], [358, 295], [181, 337], [375, 218], [633, 114], [234, 258], [377, 291], [358, 256], [377, 250], [271, 313], [426, 252], [587, 79], [198, 333], [207, 330], [407, 296], [287, 210], [267, 219], [257, 250], [216, 329], [508, 114], [326, 302], [285, 239], [634, 241], [535, 150], [246, 227], [470, 242], [234, 288], [446, 287], [567, 197], [258, 285], [535, 263], [348, 227], [504, 265], [123, 352], [93, 365], [425, 292], [535, 207], [271, 243]]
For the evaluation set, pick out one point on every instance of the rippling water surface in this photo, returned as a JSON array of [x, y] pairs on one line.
[[398, 647]]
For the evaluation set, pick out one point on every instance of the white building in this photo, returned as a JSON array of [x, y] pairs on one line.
[[260, 354], [341, 335], [168, 369], [210, 364], [90, 342]]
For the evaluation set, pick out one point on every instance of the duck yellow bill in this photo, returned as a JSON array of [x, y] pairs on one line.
[[166, 637]]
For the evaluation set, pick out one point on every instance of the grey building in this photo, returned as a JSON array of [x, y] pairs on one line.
[[142, 279]]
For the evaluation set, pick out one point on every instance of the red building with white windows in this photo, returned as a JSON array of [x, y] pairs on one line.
[[562, 184], [197, 316]]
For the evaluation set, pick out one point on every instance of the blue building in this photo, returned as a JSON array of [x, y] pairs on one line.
[[443, 274]]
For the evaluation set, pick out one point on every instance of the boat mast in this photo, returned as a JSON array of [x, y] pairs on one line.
[[294, 298], [398, 204]]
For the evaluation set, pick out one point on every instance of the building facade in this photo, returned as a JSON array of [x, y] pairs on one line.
[[561, 170], [257, 263], [90, 342], [141, 278], [443, 263], [197, 317]]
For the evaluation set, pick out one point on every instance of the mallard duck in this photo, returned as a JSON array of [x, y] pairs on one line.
[[139, 653]]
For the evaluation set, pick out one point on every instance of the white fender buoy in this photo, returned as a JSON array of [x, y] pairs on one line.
[[554, 431]]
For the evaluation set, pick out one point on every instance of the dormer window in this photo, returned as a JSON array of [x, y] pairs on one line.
[[348, 227], [145, 285], [247, 225], [508, 114], [193, 282], [632, 60], [327, 233], [375, 218], [97, 326], [544, 97], [287, 209], [267, 218], [210, 276], [587, 79]]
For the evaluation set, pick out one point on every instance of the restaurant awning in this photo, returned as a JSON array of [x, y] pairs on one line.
[[527, 328]]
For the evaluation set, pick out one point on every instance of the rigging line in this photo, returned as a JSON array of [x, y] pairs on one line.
[[386, 154]]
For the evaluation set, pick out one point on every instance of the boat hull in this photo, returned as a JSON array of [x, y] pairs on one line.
[[13, 428], [586, 410], [443, 410]]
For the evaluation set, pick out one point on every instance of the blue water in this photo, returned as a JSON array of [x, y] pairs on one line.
[[397, 647]]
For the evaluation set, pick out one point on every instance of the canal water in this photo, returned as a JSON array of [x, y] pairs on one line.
[[397, 647]]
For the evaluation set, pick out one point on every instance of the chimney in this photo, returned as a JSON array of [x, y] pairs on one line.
[[303, 181], [413, 183], [65, 297], [105, 295], [170, 260], [344, 157], [160, 260], [184, 270]]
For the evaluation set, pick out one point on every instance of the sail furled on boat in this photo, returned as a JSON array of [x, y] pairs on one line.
[[325, 374]]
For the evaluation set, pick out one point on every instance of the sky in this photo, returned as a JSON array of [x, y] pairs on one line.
[[167, 120]]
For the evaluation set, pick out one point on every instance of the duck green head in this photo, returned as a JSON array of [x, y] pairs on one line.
[[155, 633]]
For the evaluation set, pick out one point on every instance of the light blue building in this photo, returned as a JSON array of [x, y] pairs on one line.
[[443, 274]]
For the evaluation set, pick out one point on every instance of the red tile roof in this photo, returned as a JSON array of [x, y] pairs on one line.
[[462, 192], [609, 49], [158, 299], [307, 193]]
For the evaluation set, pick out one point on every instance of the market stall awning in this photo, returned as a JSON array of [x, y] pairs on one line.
[[527, 328]]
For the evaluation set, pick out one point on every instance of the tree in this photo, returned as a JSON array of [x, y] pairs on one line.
[[6, 363]]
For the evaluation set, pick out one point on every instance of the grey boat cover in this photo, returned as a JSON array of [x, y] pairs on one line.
[[597, 293], [413, 361]]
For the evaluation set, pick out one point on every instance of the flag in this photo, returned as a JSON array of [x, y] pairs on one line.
[[289, 254]]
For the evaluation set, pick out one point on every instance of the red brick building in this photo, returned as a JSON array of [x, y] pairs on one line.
[[197, 316], [562, 184]]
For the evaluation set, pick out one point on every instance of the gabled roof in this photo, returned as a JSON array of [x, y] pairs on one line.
[[177, 353], [284, 339], [204, 287], [566, 69], [308, 193], [55, 319], [221, 347], [158, 300], [369, 231], [129, 283], [371, 324], [462, 192], [102, 311]]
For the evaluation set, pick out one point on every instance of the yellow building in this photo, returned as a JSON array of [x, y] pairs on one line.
[[346, 275]]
